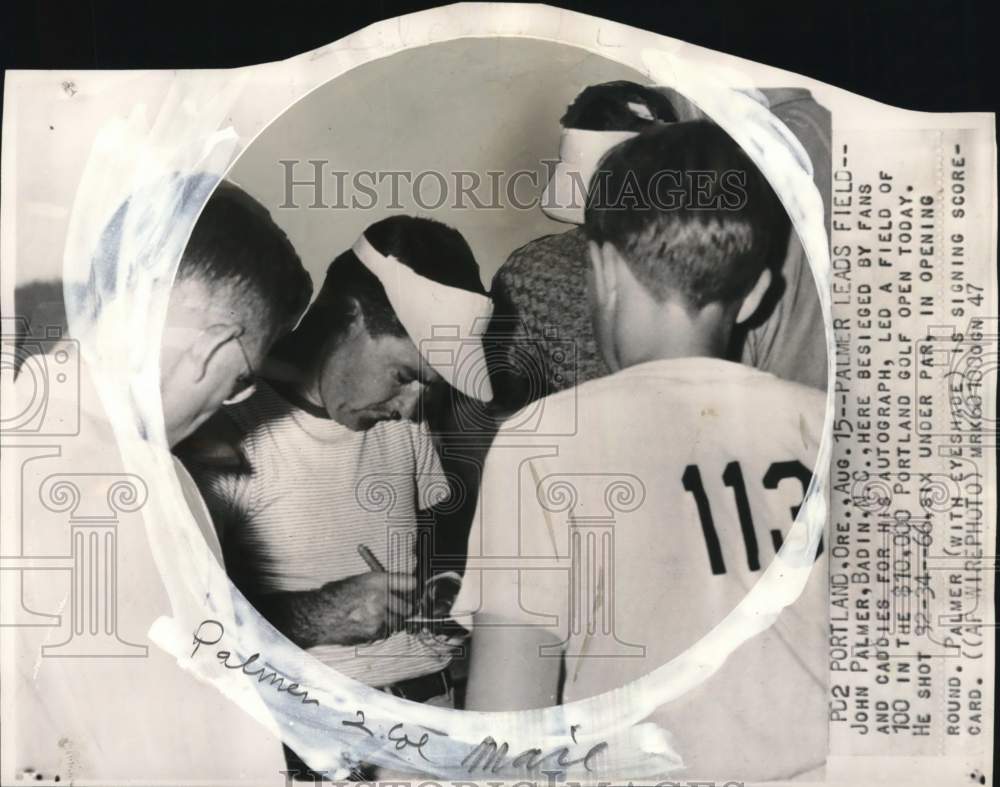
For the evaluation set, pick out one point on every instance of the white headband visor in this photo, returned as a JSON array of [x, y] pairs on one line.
[[445, 323], [580, 152]]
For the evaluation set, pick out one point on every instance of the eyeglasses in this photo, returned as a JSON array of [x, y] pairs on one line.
[[246, 383]]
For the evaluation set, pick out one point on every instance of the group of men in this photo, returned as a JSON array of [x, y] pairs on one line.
[[698, 371]]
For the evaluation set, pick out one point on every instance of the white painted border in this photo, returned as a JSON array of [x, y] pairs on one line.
[[122, 345]]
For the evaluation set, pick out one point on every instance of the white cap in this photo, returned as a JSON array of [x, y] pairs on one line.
[[445, 323], [580, 153]]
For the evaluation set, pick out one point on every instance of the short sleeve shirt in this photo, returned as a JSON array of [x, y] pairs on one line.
[[312, 491], [630, 536]]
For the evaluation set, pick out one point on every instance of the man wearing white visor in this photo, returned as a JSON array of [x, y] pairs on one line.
[[542, 286], [320, 527]]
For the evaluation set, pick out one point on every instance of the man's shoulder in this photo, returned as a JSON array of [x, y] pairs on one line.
[[394, 438], [745, 385], [679, 381], [761, 403], [265, 414], [675, 386], [225, 440], [767, 385], [559, 414], [401, 431], [217, 444], [561, 248]]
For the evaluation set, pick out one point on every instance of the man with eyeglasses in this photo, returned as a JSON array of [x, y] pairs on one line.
[[240, 286], [128, 712]]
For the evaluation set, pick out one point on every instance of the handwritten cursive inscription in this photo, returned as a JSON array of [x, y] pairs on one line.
[[359, 723], [396, 735], [486, 757], [402, 740], [209, 632], [491, 757]]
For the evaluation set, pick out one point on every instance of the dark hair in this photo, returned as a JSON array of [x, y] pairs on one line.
[[430, 248], [605, 107], [236, 244], [703, 230], [235, 248]]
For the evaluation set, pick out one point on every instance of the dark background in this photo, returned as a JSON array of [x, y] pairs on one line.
[[933, 56]]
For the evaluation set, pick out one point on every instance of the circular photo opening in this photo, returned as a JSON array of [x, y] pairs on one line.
[[514, 392]]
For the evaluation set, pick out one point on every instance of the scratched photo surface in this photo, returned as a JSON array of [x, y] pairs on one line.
[[468, 410]]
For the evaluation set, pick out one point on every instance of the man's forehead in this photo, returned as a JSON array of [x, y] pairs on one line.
[[401, 350], [424, 371]]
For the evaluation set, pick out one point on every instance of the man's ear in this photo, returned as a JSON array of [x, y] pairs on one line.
[[357, 324], [752, 300], [604, 259], [208, 343]]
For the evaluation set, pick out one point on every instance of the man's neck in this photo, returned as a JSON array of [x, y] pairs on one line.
[[678, 335], [295, 394], [674, 352], [307, 388], [293, 372]]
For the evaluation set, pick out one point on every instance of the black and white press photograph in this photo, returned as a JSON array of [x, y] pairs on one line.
[[494, 393]]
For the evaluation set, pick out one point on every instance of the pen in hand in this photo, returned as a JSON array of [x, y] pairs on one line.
[[400, 606], [369, 557]]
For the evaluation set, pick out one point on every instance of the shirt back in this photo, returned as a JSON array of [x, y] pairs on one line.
[[648, 504]]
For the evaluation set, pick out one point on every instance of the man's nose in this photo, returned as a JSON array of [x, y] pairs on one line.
[[405, 404]]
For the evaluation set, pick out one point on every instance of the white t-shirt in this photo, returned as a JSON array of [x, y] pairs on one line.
[[645, 472], [313, 492]]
